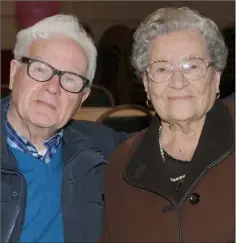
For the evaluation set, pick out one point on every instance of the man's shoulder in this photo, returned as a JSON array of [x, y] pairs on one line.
[[90, 127], [96, 133], [127, 148]]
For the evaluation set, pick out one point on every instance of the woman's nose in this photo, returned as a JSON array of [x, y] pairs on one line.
[[178, 80]]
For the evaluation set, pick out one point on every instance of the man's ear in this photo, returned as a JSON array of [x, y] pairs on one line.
[[13, 69], [86, 93]]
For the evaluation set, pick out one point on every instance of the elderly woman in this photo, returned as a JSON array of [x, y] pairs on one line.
[[174, 182]]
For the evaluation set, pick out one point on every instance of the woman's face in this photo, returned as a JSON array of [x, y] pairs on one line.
[[180, 99]]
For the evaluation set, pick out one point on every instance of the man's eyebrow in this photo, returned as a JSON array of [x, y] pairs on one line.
[[39, 58], [73, 70]]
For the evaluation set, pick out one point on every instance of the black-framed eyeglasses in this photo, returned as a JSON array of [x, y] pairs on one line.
[[43, 72], [161, 71]]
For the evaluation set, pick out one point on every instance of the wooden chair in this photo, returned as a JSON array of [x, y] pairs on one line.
[[99, 97], [128, 118], [110, 61], [227, 83], [5, 91]]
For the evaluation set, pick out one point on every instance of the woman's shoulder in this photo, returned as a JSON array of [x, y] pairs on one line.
[[133, 140], [230, 105], [125, 151]]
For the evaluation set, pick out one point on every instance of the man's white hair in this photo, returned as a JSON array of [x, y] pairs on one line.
[[61, 24]]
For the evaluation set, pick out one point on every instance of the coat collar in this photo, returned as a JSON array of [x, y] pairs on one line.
[[74, 142], [146, 169], [7, 159]]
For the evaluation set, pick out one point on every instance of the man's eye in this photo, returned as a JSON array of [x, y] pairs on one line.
[[69, 80], [39, 69]]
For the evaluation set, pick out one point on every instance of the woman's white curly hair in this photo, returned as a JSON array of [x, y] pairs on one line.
[[166, 20]]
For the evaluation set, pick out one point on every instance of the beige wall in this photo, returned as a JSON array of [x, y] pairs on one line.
[[101, 15]]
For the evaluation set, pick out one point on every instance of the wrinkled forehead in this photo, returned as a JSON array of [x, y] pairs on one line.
[[178, 46], [61, 52]]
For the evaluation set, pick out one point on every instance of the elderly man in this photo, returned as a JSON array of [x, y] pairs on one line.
[[52, 167]]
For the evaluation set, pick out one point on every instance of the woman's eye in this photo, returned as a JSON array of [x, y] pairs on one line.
[[193, 67], [162, 70]]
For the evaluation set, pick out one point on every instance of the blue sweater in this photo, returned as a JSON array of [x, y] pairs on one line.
[[43, 218]]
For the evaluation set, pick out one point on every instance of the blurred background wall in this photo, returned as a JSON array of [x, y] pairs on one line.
[[100, 15], [125, 15]]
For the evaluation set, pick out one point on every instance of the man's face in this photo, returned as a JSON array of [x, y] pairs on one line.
[[46, 104]]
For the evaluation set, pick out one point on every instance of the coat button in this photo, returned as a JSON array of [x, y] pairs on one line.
[[194, 198]]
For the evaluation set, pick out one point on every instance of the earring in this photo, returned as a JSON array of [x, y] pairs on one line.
[[148, 103], [218, 96]]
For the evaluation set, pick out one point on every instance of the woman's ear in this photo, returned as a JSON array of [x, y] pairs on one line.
[[217, 81], [146, 84]]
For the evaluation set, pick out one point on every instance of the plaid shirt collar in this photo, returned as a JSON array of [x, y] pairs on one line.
[[17, 141]]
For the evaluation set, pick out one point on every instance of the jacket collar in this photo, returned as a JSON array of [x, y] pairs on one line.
[[146, 169], [75, 142], [7, 159]]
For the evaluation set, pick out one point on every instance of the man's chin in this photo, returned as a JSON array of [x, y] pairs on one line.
[[43, 121]]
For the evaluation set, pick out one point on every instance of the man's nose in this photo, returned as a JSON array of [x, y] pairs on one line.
[[53, 85]]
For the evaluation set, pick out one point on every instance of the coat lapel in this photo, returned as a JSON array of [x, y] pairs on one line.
[[215, 143], [147, 170]]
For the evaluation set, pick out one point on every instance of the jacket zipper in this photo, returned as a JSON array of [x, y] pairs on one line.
[[62, 184], [11, 172]]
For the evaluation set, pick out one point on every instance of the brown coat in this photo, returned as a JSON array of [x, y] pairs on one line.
[[139, 205]]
